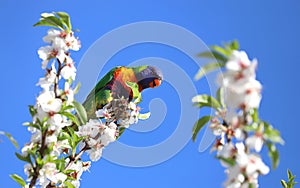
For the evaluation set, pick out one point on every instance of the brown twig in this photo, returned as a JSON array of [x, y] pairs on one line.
[[43, 147], [36, 169], [60, 67], [77, 156]]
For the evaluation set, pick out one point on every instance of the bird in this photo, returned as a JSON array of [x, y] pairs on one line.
[[114, 86]]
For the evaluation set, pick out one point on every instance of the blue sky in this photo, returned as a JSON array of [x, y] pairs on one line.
[[268, 30]]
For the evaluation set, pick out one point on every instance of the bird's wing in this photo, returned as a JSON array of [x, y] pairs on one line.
[[99, 95]]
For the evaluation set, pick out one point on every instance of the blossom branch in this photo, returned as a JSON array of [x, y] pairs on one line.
[[59, 124], [239, 131], [60, 67]]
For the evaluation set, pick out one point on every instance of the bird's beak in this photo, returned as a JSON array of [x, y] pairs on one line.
[[157, 82]]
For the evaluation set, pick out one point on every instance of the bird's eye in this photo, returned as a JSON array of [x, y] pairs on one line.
[[154, 83]]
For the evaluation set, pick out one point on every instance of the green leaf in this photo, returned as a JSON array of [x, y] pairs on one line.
[[65, 19], [18, 179], [291, 180], [283, 183], [77, 88], [229, 161], [254, 115], [54, 20], [50, 20], [252, 185], [199, 125], [39, 160], [273, 154], [207, 68], [69, 171], [220, 97], [206, 100], [221, 50], [77, 141], [144, 116], [289, 173], [63, 136], [32, 110], [73, 140], [13, 141], [64, 108], [81, 112], [23, 158], [69, 184], [121, 131], [60, 164], [135, 91], [30, 124], [214, 55], [272, 134], [251, 127], [235, 45], [72, 117], [43, 22], [71, 132]]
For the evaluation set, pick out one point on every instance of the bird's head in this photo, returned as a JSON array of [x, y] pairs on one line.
[[149, 77]]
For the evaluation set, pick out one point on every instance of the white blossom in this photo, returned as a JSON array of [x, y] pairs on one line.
[[242, 90], [36, 137], [132, 106], [134, 117], [27, 169], [217, 127], [109, 134], [243, 95], [60, 44], [91, 129], [124, 123], [27, 147], [255, 142], [51, 139], [45, 54], [234, 177], [226, 152], [48, 102], [57, 122], [51, 35], [101, 113], [86, 165], [238, 61], [72, 42], [45, 14], [48, 81], [59, 146], [41, 114], [69, 93], [50, 173], [252, 164], [48, 52], [69, 70], [62, 40], [79, 167], [95, 154]]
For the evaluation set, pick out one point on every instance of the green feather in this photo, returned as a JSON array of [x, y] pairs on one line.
[[139, 68], [99, 96]]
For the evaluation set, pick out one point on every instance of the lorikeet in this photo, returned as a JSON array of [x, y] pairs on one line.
[[113, 86]]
